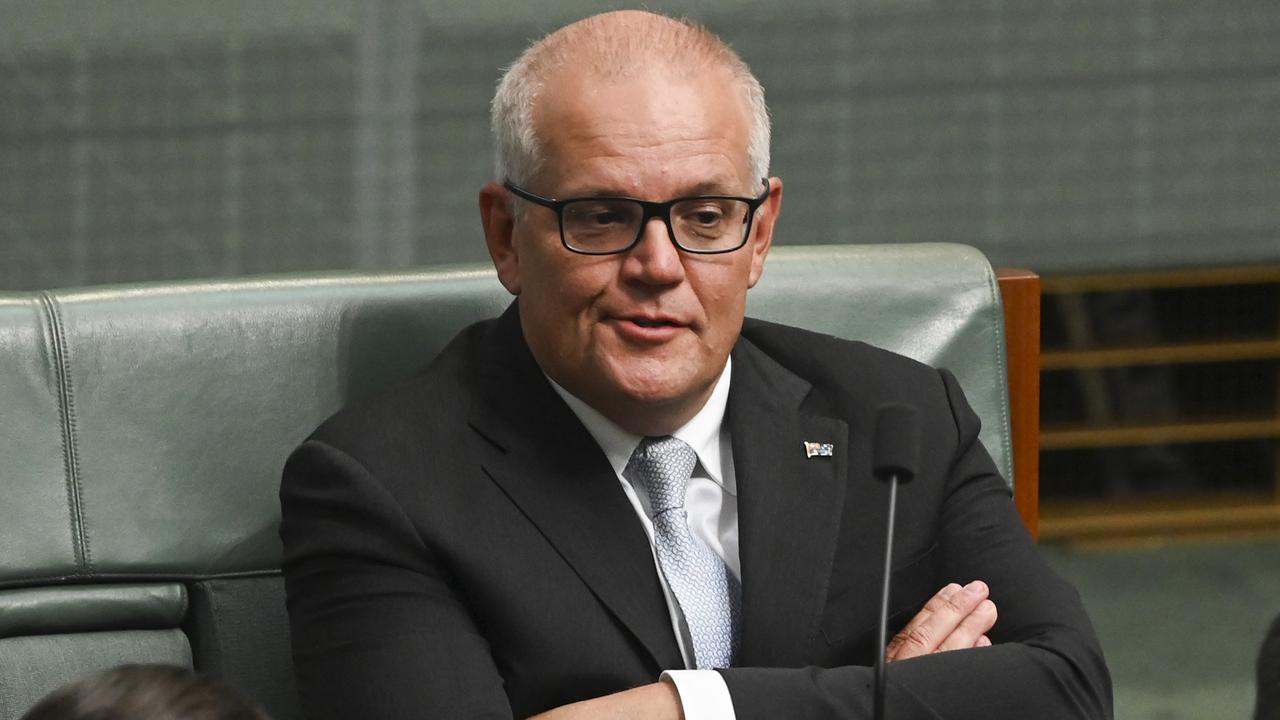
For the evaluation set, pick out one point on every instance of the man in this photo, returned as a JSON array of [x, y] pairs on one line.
[[609, 481]]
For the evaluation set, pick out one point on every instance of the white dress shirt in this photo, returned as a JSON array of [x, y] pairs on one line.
[[711, 501]]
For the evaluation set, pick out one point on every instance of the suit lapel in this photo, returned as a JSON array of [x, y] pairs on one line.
[[551, 468], [789, 506]]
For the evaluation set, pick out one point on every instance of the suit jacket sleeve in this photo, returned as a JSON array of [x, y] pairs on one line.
[[377, 631], [1046, 662]]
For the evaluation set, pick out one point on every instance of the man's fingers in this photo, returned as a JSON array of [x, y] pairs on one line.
[[931, 629], [983, 641], [971, 629], [935, 603]]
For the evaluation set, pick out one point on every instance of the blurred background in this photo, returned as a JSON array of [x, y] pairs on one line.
[[1128, 151]]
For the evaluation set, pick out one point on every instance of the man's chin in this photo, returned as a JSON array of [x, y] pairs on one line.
[[649, 380], [661, 398]]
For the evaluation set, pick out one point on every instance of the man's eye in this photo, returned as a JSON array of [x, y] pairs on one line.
[[604, 217], [704, 216], [601, 216]]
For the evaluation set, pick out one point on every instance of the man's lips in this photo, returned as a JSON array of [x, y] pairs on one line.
[[654, 322], [648, 328]]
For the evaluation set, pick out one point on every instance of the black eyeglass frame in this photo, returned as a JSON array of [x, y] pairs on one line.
[[650, 210]]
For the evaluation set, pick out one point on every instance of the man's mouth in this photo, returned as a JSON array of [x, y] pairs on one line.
[[643, 322], [647, 329]]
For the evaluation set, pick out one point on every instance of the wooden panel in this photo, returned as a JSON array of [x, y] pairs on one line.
[[1149, 280], [1161, 354], [1020, 295], [1124, 435], [1208, 511], [1119, 519]]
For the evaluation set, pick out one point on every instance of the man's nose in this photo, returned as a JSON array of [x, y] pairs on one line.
[[654, 258]]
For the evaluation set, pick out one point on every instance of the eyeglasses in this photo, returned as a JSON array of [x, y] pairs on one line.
[[701, 224]]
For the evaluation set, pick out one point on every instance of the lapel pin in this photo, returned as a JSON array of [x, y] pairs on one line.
[[817, 449]]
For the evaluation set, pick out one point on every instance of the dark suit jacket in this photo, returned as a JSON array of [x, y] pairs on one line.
[[460, 547]]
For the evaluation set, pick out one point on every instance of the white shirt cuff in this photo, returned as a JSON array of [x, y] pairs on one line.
[[703, 694]]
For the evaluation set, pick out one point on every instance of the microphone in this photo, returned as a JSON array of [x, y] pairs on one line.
[[896, 458]]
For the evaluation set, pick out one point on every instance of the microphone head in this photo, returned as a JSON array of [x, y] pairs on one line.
[[897, 448]]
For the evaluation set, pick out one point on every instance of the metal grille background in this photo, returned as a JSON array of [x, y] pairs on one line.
[[162, 140]]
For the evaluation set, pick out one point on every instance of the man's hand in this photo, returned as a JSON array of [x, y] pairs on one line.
[[955, 619], [658, 701]]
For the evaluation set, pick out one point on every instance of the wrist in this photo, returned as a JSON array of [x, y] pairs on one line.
[[669, 698]]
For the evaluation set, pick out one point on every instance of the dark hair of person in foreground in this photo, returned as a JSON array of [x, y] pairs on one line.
[[145, 692]]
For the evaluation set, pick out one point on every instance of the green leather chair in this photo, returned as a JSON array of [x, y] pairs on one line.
[[144, 429]]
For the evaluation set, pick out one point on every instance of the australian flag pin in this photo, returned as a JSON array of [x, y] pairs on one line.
[[818, 449]]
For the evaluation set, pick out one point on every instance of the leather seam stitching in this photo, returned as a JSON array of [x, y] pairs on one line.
[[1001, 351], [70, 450]]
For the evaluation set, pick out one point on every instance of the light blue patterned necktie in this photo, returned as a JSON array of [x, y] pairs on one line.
[[708, 594]]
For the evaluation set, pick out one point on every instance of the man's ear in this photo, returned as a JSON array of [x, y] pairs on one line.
[[496, 215], [765, 222]]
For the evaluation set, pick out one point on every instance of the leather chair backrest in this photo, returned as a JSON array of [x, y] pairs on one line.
[[144, 429]]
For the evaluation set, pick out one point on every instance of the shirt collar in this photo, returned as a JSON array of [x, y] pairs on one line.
[[702, 432]]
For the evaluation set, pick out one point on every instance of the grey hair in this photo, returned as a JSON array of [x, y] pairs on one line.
[[615, 48]]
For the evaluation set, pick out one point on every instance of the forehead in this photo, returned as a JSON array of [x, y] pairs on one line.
[[650, 132]]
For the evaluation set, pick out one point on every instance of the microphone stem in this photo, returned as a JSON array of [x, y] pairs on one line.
[[882, 641]]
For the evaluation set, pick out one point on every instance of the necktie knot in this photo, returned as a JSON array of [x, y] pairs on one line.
[[663, 465]]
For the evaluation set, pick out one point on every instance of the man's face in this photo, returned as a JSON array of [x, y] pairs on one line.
[[643, 335]]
